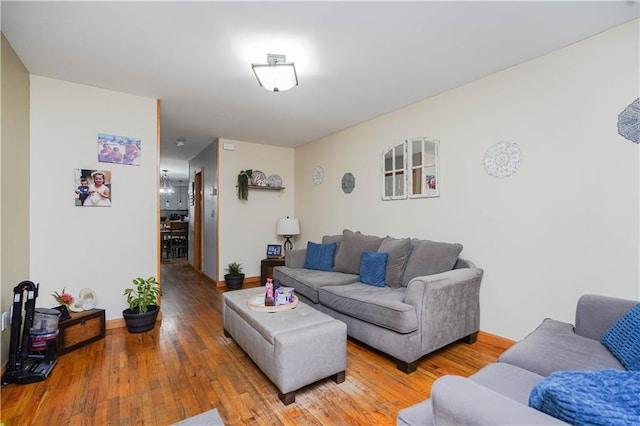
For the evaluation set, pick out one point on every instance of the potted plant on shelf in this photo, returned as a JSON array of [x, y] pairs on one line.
[[244, 179], [234, 277], [143, 302]]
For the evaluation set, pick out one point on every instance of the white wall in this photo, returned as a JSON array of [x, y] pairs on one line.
[[82, 247], [564, 225], [246, 227], [206, 163]]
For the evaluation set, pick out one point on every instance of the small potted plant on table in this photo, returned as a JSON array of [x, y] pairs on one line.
[[143, 303], [234, 278]]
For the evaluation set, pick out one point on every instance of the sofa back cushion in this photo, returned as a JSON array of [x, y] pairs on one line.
[[430, 257], [398, 250], [328, 239], [349, 253]]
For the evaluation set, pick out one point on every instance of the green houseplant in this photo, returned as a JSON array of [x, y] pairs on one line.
[[143, 300], [234, 277], [244, 179]]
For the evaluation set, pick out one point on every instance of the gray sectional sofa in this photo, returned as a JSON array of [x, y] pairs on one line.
[[430, 296], [499, 393]]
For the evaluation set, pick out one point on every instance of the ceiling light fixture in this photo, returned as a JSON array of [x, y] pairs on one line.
[[166, 187], [276, 75], [181, 141]]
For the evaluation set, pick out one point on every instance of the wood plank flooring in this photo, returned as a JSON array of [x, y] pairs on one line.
[[186, 366]]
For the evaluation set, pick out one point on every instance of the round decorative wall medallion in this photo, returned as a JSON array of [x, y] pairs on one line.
[[629, 122], [502, 159], [317, 175], [348, 183]]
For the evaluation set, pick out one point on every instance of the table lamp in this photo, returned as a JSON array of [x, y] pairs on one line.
[[288, 227]]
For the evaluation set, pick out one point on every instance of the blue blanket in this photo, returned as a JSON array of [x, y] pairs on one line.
[[601, 397]]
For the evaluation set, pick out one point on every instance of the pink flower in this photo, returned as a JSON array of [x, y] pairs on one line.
[[64, 298]]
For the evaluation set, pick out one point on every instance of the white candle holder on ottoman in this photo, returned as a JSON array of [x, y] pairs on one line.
[[293, 347]]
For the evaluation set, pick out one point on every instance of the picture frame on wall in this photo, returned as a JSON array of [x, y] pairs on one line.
[[119, 149], [92, 188]]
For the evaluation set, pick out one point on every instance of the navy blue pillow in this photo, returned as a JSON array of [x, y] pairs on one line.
[[623, 339], [320, 256], [373, 268]]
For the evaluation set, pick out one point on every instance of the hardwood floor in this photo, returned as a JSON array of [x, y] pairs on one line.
[[186, 366]]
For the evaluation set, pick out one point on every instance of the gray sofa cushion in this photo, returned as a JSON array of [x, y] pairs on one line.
[[554, 346], [430, 257], [398, 250], [507, 379], [382, 306], [307, 281], [350, 251]]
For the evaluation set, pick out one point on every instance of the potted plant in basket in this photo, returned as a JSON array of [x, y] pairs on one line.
[[234, 278], [244, 179], [143, 305]]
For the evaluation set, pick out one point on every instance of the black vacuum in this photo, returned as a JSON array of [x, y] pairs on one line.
[[34, 359]]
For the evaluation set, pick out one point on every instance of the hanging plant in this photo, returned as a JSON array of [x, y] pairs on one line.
[[244, 178]]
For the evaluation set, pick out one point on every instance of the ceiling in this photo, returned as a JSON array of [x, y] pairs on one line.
[[355, 60]]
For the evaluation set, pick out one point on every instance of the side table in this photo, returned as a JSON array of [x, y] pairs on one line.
[[266, 268], [81, 329]]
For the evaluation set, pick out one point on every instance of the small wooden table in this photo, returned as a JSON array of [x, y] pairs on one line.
[[81, 329], [266, 268]]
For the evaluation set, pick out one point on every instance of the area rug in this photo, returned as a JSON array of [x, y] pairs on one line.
[[208, 418]]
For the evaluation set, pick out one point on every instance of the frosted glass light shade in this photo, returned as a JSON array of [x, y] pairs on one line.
[[276, 75]]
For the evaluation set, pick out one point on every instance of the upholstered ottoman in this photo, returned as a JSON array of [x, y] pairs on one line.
[[294, 348]]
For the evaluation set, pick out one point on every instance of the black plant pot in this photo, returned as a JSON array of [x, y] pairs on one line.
[[139, 323], [234, 282]]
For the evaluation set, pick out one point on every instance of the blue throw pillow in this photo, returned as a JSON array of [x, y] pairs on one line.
[[320, 256], [598, 397], [623, 339], [373, 268]]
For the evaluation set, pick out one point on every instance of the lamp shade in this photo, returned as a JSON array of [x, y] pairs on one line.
[[276, 75], [288, 226]]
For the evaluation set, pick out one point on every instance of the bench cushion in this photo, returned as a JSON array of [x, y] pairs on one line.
[[270, 325], [382, 306]]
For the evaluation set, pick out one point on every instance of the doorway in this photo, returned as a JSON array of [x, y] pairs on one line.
[[197, 222]]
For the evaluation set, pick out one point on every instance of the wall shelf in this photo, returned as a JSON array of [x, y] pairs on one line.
[[268, 188]]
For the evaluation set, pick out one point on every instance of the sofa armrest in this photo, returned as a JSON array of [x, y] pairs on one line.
[[460, 401], [595, 314], [447, 305], [295, 258]]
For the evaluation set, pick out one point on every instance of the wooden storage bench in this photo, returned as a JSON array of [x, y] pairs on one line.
[[83, 328]]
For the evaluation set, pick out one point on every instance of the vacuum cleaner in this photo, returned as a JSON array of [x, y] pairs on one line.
[[34, 359]]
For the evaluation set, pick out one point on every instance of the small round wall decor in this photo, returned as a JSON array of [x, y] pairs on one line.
[[629, 122], [348, 183], [502, 159]]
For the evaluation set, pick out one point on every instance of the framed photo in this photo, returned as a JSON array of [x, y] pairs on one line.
[[92, 188], [274, 250], [119, 149]]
